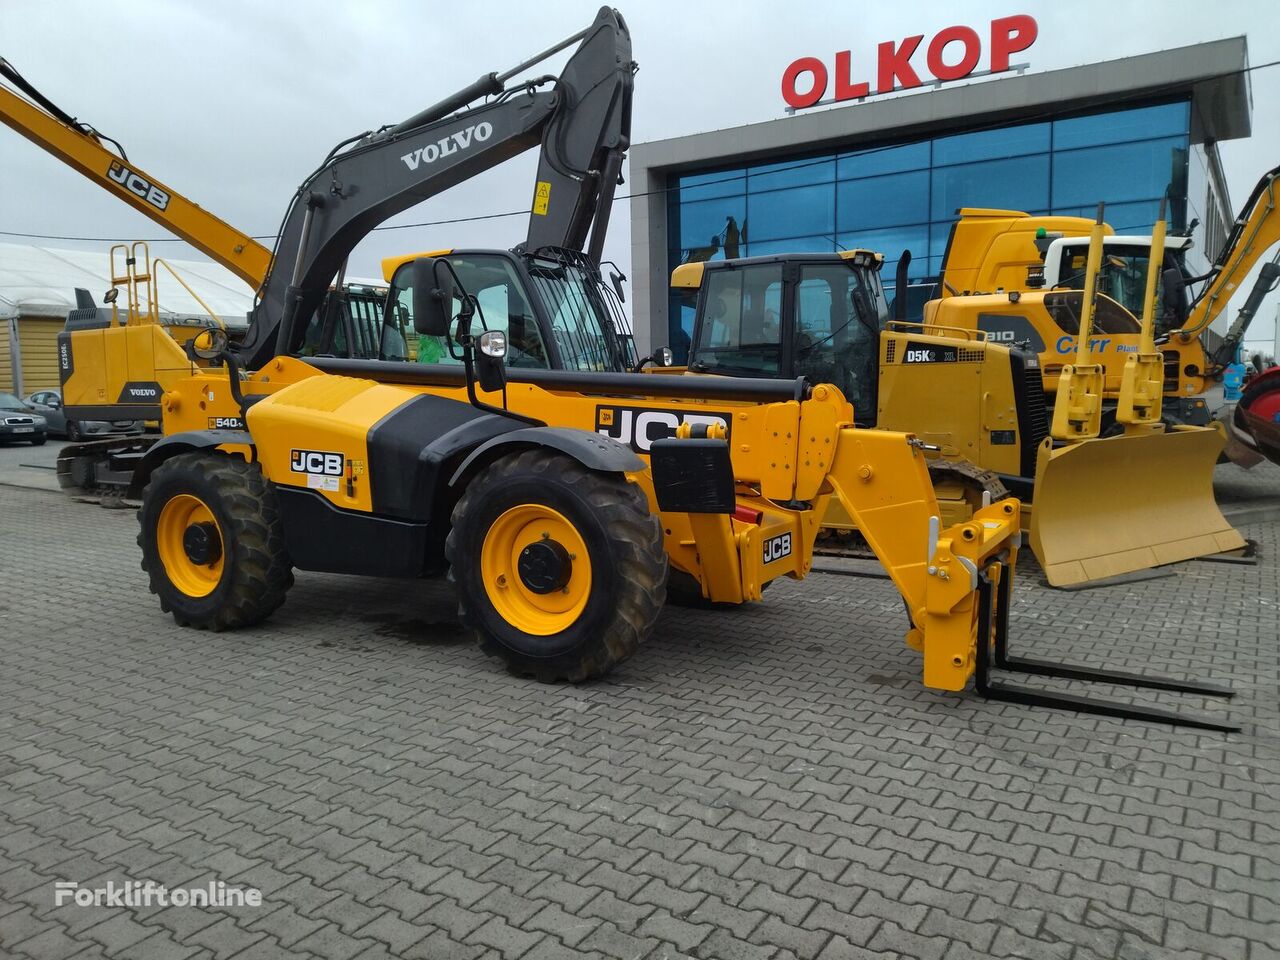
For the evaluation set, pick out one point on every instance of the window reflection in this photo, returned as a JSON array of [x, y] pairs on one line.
[[904, 196]]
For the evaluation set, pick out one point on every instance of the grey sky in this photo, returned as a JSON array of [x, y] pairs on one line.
[[233, 102]]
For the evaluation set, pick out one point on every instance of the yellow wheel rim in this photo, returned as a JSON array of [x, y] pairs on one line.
[[522, 599], [177, 541]]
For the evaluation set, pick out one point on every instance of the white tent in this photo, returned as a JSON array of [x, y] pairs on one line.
[[41, 282]]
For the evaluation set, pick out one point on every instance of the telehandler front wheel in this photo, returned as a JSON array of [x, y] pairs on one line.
[[212, 543], [560, 571]]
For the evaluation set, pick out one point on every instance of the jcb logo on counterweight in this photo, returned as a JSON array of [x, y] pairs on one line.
[[138, 185], [322, 462], [639, 427]]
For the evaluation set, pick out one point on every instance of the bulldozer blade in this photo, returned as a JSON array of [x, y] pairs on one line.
[[1115, 505]]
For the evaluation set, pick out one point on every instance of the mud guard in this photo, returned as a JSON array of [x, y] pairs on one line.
[[1116, 505]]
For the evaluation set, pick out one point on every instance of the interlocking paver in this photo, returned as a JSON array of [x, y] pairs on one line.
[[766, 782]]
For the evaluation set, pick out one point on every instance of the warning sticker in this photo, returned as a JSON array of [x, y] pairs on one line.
[[542, 197], [318, 481]]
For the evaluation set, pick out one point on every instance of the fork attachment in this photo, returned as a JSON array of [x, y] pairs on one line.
[[993, 653]]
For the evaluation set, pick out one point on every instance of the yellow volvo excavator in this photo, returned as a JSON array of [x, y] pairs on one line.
[[978, 403]]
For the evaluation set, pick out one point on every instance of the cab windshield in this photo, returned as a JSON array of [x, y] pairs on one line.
[[583, 336], [1122, 276]]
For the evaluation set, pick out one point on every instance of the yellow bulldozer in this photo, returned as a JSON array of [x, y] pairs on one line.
[[979, 404]]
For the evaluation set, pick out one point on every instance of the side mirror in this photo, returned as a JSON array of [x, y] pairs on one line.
[[433, 292], [54, 403], [110, 295], [1175, 293], [490, 356], [208, 344], [616, 280]]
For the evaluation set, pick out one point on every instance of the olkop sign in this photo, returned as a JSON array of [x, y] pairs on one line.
[[952, 54]]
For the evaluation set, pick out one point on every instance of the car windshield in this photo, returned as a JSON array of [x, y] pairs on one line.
[[9, 402]]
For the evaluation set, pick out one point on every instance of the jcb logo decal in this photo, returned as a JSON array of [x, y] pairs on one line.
[[775, 548], [322, 462], [138, 185], [638, 427]]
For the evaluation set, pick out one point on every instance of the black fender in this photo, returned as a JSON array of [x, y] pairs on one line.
[[593, 451], [178, 443]]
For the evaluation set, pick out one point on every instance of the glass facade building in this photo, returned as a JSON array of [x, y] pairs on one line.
[[904, 195]]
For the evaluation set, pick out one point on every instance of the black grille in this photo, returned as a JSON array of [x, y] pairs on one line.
[[1033, 415]]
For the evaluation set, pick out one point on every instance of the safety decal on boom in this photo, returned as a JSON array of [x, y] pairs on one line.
[[542, 198], [322, 467], [639, 427]]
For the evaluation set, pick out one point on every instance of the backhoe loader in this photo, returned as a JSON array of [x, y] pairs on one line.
[[977, 403], [991, 253]]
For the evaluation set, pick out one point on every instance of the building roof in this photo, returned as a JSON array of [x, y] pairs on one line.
[[1211, 73]]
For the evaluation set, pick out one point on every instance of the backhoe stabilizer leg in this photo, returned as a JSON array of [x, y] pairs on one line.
[[992, 651]]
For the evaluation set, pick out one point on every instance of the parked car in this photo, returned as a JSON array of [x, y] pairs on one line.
[[20, 423], [48, 403]]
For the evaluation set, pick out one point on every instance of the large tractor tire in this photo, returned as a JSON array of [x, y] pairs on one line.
[[212, 543], [560, 571]]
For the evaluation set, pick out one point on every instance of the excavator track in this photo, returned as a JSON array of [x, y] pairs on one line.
[[100, 470]]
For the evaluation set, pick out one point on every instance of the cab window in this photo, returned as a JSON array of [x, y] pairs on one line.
[[740, 327], [837, 330], [501, 305]]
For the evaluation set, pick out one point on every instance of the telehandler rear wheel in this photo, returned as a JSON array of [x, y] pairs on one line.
[[561, 571], [212, 542]]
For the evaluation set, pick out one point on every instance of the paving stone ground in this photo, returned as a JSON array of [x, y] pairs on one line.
[[767, 782]]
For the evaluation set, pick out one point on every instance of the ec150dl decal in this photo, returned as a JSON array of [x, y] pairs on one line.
[[639, 427]]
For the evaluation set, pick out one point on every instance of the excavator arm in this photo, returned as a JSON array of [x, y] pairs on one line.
[[581, 119], [81, 147], [1255, 231]]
